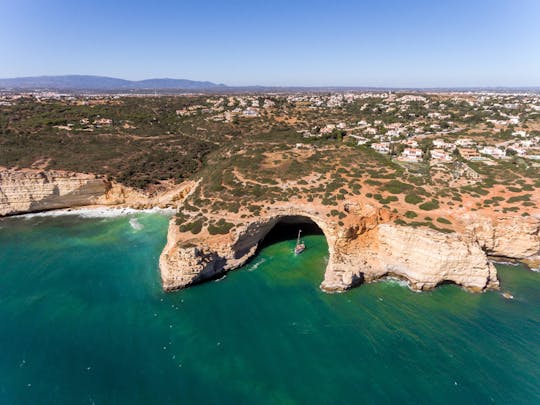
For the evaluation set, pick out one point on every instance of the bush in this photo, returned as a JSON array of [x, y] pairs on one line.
[[429, 205], [518, 198], [413, 199], [220, 227], [195, 227], [411, 214], [397, 187], [443, 221]]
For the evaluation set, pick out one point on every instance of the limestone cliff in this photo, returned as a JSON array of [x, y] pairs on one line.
[[23, 191], [29, 190], [423, 257], [365, 248], [513, 237]]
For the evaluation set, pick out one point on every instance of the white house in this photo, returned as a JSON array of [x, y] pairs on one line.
[[493, 151], [412, 154], [440, 154], [465, 142], [383, 147]]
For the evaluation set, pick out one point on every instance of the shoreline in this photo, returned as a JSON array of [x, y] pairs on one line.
[[97, 211]]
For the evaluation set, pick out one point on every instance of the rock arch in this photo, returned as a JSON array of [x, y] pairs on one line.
[[366, 247], [186, 265]]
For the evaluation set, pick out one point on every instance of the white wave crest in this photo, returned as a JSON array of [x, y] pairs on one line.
[[135, 224], [100, 212], [397, 281], [256, 265]]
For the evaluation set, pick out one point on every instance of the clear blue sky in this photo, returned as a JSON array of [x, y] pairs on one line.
[[275, 42]]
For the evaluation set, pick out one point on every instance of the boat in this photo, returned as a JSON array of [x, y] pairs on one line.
[[300, 246]]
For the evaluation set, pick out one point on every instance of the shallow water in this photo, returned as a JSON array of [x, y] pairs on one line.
[[83, 319]]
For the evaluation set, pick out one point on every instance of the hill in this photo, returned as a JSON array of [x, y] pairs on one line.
[[80, 82]]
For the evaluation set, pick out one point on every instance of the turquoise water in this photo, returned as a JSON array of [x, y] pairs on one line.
[[83, 320]]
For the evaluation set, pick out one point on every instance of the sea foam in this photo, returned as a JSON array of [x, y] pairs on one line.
[[101, 212]]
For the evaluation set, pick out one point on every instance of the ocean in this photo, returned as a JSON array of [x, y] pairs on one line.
[[83, 320]]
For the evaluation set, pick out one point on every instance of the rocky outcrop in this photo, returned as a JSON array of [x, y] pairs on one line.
[[29, 191], [189, 259], [517, 238], [366, 248], [423, 257], [23, 191]]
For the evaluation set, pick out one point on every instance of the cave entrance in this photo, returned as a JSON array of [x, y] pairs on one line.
[[286, 228]]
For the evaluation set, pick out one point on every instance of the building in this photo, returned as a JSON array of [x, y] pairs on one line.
[[412, 154], [411, 143], [441, 144], [383, 147], [360, 139], [493, 151], [440, 154], [465, 142], [470, 154], [103, 121], [523, 134], [250, 112]]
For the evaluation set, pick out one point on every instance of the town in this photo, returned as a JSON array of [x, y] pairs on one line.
[[431, 128]]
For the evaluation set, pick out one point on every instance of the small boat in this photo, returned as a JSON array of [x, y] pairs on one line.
[[300, 246]]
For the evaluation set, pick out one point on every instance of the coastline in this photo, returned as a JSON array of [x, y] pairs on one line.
[[366, 244], [98, 211]]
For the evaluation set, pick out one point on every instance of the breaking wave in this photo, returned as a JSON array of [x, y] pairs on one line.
[[256, 265], [99, 212], [135, 224]]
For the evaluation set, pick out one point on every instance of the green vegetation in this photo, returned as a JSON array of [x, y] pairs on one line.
[[413, 199], [220, 227], [397, 187], [246, 163], [429, 205]]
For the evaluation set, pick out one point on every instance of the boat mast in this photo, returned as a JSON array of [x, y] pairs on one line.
[[298, 240]]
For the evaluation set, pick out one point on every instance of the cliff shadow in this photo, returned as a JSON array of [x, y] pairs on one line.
[[287, 229]]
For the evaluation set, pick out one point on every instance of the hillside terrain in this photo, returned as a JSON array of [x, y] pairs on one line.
[[361, 166]]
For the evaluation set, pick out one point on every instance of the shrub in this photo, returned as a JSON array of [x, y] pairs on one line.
[[413, 199], [220, 227], [443, 221], [429, 205], [397, 187], [195, 226], [518, 198]]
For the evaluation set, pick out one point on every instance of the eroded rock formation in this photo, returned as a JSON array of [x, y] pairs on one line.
[[23, 191], [29, 190], [367, 247]]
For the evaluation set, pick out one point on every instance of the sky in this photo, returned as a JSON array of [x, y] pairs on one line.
[[388, 43]]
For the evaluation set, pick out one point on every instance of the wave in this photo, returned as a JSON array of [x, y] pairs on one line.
[[507, 263], [396, 281], [256, 265], [101, 212], [135, 224]]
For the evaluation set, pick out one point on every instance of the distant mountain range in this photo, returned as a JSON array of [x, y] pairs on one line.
[[80, 82], [102, 84]]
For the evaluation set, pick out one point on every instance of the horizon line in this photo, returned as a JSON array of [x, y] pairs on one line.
[[278, 86]]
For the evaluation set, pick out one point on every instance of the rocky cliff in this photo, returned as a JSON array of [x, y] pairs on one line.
[[28, 190], [512, 237], [23, 191], [423, 257], [368, 246]]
